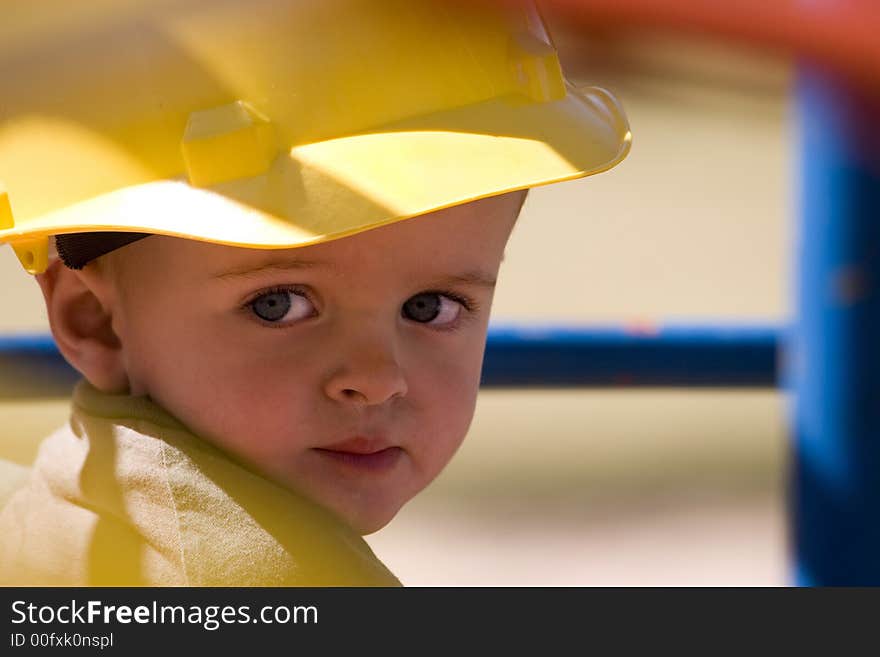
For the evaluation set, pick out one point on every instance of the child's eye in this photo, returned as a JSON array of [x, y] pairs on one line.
[[431, 308], [282, 306]]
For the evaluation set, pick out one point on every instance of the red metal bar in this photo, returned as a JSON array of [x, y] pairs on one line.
[[841, 34]]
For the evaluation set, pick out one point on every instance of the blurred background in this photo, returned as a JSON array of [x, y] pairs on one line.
[[611, 487]]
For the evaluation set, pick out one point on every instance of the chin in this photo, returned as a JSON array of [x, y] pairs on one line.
[[365, 525], [371, 528], [366, 522]]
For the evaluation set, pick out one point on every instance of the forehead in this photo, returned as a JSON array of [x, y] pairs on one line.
[[466, 235]]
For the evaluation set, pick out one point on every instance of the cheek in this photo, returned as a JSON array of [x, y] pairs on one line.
[[247, 396], [444, 397], [218, 384]]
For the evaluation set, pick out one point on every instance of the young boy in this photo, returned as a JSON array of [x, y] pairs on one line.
[[274, 361]]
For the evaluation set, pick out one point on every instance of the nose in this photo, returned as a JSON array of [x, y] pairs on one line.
[[369, 374]]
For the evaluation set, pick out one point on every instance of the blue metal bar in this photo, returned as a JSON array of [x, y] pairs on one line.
[[31, 368], [834, 368], [534, 356], [624, 357]]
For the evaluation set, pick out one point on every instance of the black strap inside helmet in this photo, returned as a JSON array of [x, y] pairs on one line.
[[79, 249]]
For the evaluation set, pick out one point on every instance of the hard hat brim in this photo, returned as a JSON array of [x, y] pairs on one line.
[[330, 189]]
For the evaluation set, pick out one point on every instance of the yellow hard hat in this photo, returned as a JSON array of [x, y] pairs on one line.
[[278, 123]]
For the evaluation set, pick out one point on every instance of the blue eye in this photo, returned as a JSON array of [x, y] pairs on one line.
[[431, 308], [282, 306]]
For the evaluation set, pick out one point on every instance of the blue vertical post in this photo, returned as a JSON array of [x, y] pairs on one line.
[[834, 357]]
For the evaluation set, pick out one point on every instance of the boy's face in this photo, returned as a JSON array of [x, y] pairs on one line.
[[347, 371]]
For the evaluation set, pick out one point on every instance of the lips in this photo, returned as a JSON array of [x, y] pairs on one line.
[[363, 454], [359, 445]]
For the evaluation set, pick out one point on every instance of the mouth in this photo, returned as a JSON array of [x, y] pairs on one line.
[[363, 454], [380, 461]]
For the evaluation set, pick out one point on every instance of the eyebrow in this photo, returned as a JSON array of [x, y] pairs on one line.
[[474, 277], [273, 265]]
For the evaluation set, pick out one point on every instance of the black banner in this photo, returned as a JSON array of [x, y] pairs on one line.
[[417, 620]]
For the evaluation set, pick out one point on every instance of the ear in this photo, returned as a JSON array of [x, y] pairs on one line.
[[80, 308]]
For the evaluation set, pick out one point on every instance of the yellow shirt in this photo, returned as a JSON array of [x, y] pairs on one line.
[[125, 495]]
